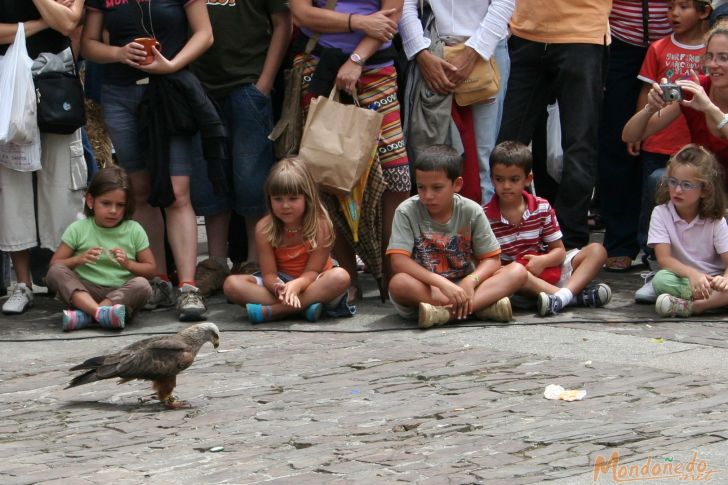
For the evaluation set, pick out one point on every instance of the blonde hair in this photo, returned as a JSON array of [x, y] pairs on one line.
[[707, 171], [719, 29], [291, 177]]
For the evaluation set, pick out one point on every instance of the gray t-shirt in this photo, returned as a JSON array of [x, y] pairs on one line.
[[447, 249]]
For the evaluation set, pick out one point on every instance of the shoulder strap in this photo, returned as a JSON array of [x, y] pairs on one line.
[[311, 44]]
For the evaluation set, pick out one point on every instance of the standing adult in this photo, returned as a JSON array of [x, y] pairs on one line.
[[355, 49], [251, 40], [58, 196], [621, 172], [557, 50], [483, 27], [182, 29]]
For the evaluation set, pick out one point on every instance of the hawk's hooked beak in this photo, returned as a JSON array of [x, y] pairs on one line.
[[215, 342]]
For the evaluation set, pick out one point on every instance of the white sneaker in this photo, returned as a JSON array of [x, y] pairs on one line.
[[21, 298], [647, 293]]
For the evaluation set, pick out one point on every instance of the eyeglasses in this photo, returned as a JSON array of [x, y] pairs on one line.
[[719, 58], [686, 186]]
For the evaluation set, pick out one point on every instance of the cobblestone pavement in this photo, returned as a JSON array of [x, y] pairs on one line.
[[373, 399]]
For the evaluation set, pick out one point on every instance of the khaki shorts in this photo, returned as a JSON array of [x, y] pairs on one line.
[[60, 192]]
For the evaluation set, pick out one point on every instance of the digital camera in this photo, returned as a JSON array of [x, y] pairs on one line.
[[671, 92]]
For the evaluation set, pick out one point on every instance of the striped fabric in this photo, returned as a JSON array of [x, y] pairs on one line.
[[377, 88], [625, 21], [532, 235]]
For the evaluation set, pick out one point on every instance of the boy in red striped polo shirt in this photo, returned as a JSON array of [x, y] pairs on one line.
[[529, 234]]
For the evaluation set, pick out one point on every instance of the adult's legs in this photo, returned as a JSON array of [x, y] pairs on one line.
[[182, 229], [653, 169], [249, 117], [578, 86], [528, 91], [149, 217], [620, 179], [487, 119]]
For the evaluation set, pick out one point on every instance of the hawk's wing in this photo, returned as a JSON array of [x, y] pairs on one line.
[[155, 358]]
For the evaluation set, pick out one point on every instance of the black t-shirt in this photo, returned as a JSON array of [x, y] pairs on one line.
[[47, 40], [166, 20]]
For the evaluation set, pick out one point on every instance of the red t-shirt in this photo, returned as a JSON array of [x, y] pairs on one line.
[[669, 59], [700, 134]]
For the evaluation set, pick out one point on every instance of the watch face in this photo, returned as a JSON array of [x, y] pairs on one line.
[[355, 58]]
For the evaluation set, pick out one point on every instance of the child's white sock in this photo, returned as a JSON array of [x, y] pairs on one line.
[[565, 295]]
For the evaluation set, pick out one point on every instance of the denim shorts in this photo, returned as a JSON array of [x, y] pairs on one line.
[[248, 116], [120, 105]]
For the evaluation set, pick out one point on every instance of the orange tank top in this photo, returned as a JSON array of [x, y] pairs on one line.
[[292, 260]]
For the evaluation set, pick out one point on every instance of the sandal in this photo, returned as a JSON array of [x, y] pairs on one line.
[[618, 264], [354, 294]]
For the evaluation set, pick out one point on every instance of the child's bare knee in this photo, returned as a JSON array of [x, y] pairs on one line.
[[338, 278]]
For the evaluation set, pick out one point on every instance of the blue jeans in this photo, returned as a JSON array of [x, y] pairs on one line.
[[92, 165], [248, 116], [487, 120], [572, 73], [120, 107], [620, 174], [653, 169]]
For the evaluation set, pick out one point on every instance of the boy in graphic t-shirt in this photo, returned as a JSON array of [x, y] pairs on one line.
[[444, 255]]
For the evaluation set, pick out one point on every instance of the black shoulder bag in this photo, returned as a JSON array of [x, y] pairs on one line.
[[60, 98]]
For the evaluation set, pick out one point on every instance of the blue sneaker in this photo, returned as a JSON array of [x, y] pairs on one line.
[[258, 313], [548, 304], [313, 312], [594, 296]]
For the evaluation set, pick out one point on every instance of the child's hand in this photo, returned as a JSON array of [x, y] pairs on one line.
[[536, 264], [458, 298], [719, 283], [289, 294], [700, 284], [119, 256], [90, 256], [278, 287]]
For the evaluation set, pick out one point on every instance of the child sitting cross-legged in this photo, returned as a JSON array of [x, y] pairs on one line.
[[690, 236], [297, 274], [529, 234], [443, 252], [101, 267]]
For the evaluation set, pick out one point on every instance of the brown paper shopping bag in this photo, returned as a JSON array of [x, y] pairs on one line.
[[339, 141]]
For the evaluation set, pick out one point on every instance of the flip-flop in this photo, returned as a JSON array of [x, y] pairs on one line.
[[618, 264]]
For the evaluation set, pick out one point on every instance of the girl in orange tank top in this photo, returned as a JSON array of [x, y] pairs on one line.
[[294, 240]]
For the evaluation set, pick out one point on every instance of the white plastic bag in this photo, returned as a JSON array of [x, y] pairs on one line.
[[18, 105], [23, 158], [554, 151]]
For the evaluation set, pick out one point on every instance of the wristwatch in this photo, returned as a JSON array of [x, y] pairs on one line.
[[356, 59], [723, 122]]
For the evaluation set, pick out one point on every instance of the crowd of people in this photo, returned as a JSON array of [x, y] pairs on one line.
[[618, 106]]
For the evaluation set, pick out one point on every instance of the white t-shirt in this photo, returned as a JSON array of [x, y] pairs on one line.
[[698, 243]]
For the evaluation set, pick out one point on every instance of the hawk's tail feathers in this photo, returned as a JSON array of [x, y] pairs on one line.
[[85, 378], [92, 363]]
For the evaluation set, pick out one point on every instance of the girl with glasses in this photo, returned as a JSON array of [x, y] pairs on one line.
[[689, 235]]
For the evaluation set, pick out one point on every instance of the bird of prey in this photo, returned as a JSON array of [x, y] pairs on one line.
[[156, 359]]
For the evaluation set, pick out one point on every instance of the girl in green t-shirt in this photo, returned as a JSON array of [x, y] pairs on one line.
[[101, 267]]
